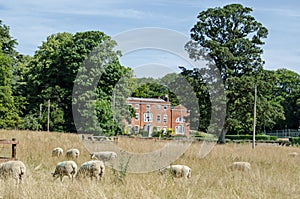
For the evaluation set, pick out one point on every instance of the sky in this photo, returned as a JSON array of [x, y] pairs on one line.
[[32, 21]]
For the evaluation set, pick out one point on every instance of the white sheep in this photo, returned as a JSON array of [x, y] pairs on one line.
[[56, 152], [177, 171], [65, 168], [293, 154], [242, 166], [72, 153], [92, 168], [13, 168], [103, 155]]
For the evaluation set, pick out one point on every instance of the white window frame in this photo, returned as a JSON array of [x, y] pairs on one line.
[[137, 116], [181, 128], [148, 117], [165, 118], [158, 118]]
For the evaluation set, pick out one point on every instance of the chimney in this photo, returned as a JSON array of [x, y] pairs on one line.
[[167, 97]]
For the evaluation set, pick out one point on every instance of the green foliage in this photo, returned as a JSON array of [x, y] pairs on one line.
[[7, 42], [250, 137], [286, 90], [155, 89], [52, 73], [294, 140], [231, 37], [201, 108], [8, 113], [30, 122], [101, 88]]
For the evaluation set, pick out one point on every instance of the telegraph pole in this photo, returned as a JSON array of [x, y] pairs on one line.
[[254, 117], [48, 121]]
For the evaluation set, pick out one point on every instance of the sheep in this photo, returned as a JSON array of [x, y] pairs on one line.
[[293, 154], [177, 171], [104, 155], [13, 168], [242, 166], [56, 152], [72, 153], [65, 168], [92, 168]]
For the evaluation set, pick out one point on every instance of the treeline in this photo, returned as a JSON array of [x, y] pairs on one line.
[[87, 86]]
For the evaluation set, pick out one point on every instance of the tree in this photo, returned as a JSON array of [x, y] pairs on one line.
[[8, 113], [9, 117], [54, 68], [286, 87], [232, 39], [100, 91], [7, 42]]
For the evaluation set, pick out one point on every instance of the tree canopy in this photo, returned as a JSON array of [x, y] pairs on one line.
[[232, 38]]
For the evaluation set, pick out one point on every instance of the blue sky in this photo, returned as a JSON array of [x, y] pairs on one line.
[[31, 21]]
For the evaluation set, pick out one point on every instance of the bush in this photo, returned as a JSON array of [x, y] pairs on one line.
[[294, 140], [250, 137]]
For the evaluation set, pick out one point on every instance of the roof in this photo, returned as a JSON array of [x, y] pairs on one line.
[[145, 99]]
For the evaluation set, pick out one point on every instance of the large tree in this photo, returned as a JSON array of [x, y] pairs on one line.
[[286, 87], [8, 113], [232, 39], [53, 71], [9, 117]]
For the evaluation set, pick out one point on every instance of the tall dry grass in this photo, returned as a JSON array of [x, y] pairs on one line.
[[274, 174]]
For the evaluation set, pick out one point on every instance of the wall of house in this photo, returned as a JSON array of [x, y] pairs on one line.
[[156, 113]]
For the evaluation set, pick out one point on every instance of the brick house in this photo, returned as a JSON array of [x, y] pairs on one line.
[[158, 113]]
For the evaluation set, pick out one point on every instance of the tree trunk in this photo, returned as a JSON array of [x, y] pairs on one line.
[[221, 138]]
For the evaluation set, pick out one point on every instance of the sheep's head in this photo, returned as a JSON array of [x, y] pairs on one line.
[[92, 156]]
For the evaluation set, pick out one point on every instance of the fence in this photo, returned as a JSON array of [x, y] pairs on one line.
[[13, 143], [285, 133]]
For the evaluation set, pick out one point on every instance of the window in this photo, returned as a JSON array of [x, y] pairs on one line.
[[148, 106], [136, 128], [158, 107], [137, 116], [180, 119], [158, 119], [179, 129], [147, 117], [165, 118], [165, 107], [158, 128], [136, 106]]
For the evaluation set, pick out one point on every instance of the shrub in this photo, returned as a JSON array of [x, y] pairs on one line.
[[294, 140], [250, 137]]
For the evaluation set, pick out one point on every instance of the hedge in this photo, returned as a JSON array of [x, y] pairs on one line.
[[250, 137], [294, 140]]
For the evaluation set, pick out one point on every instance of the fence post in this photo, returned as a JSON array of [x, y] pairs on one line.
[[14, 149]]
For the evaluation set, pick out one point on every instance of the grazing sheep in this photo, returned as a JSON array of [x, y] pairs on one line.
[[93, 168], [13, 168], [242, 166], [177, 171], [65, 168], [56, 152], [104, 155], [293, 154], [72, 153]]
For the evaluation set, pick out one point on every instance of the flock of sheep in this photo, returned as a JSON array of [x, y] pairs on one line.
[[95, 167]]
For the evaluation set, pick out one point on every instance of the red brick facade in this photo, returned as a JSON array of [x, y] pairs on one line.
[[158, 113]]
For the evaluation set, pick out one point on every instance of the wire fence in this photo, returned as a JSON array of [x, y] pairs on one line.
[[286, 133]]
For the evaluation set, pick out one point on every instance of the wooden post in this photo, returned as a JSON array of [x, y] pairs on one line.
[[48, 121], [254, 117], [14, 149]]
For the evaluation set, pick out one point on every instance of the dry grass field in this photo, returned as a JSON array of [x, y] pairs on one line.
[[274, 174]]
